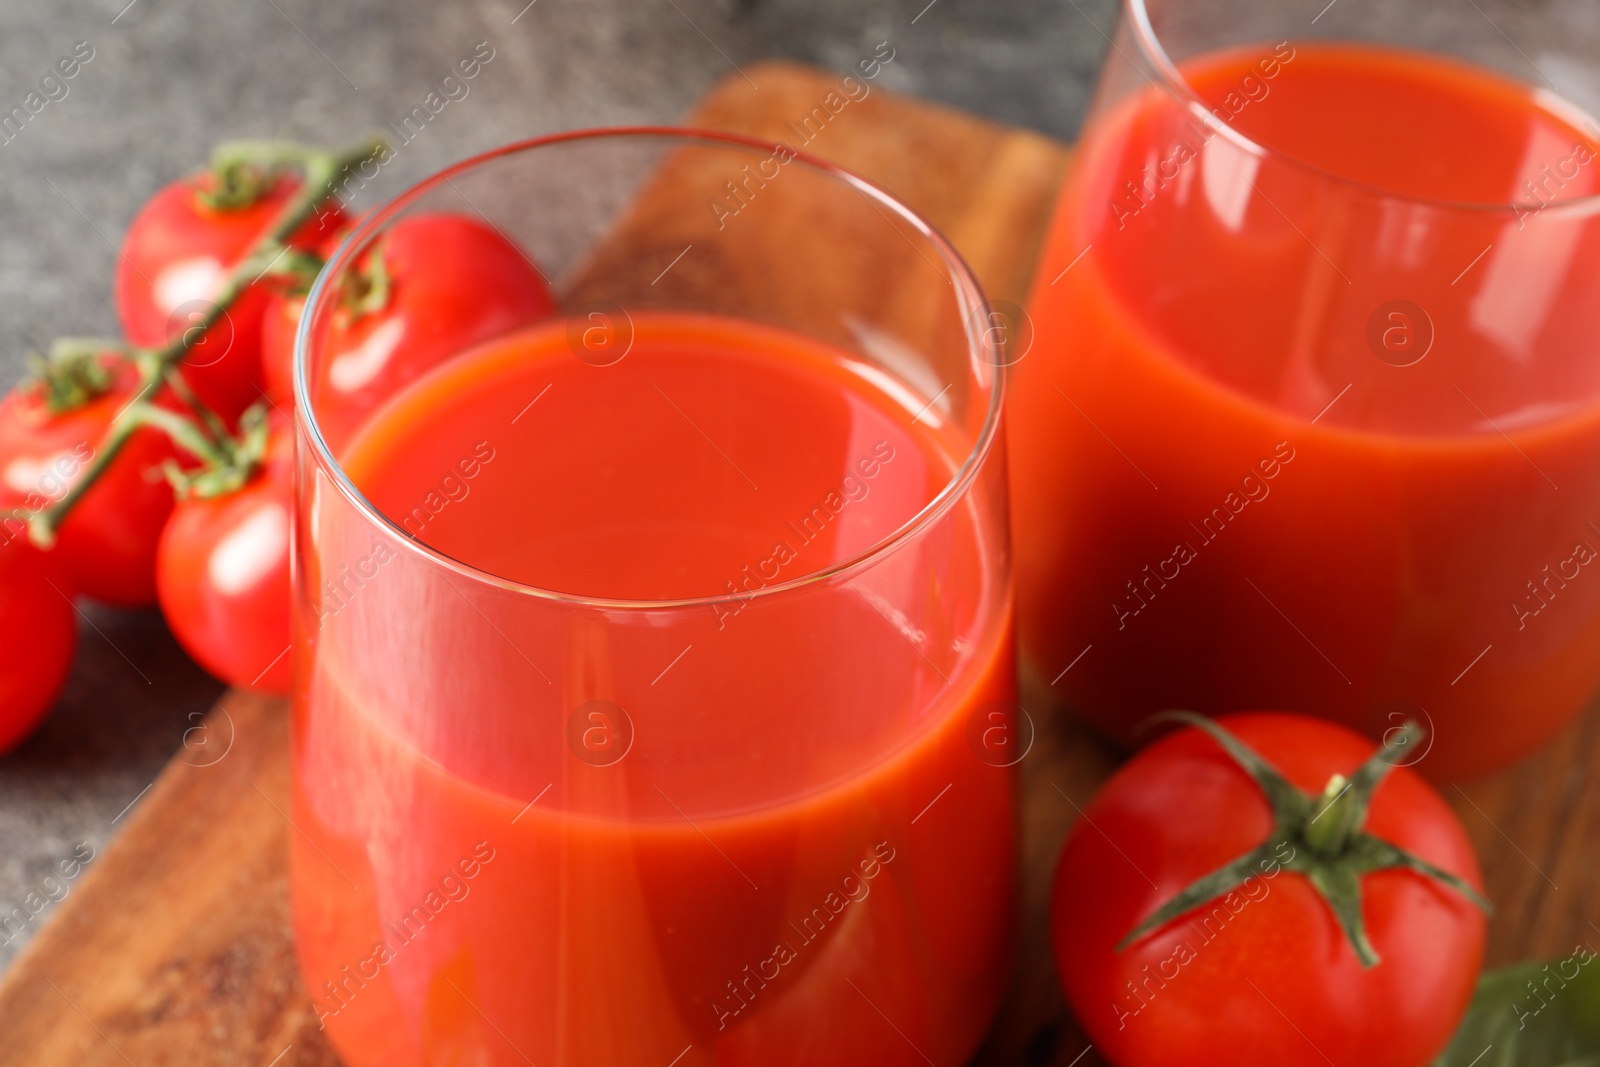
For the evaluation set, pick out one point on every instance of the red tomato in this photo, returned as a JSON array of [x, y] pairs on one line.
[[40, 634], [453, 281], [1263, 973], [223, 574], [175, 257], [106, 548]]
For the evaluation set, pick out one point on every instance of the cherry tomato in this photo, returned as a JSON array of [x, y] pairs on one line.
[[106, 548], [452, 282], [40, 634], [175, 257], [223, 574], [1262, 972]]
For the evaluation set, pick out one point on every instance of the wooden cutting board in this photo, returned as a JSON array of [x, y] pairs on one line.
[[174, 946]]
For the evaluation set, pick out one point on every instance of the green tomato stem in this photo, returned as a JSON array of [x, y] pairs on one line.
[[227, 464], [43, 524], [184, 433]]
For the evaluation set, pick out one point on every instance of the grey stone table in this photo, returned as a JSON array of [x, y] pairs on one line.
[[168, 78]]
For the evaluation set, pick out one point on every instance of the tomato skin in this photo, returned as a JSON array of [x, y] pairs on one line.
[[106, 547], [40, 635], [279, 323], [454, 283], [176, 254], [223, 575], [1182, 808]]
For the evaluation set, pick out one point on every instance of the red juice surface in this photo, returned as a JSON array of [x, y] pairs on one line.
[[737, 860], [1331, 444]]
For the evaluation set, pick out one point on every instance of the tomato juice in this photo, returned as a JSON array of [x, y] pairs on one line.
[[1311, 418], [540, 827]]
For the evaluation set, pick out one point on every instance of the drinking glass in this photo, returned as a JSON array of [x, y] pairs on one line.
[[692, 801], [1310, 422]]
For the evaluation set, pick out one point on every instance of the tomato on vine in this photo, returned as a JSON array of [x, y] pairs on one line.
[[83, 449], [1266, 889], [432, 286], [40, 634], [175, 261], [51, 428], [223, 566]]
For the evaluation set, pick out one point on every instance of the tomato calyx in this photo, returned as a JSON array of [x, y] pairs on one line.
[[1329, 846], [236, 186], [228, 461], [368, 287], [242, 172], [76, 371]]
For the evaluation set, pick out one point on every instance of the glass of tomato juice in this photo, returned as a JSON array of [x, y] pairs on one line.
[[1312, 417], [654, 697]]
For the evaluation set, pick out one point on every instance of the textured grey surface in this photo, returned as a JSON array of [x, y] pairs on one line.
[[169, 78]]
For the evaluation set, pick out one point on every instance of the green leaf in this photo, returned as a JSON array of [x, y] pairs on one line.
[[1552, 1022]]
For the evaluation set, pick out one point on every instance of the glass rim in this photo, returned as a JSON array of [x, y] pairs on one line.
[[1152, 49], [967, 292]]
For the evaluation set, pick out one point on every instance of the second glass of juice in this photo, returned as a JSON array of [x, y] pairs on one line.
[[654, 693], [1312, 420]]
